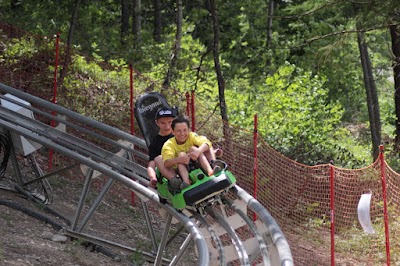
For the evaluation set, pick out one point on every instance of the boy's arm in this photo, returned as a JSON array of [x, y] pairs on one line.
[[199, 140], [171, 162], [168, 155], [204, 147], [196, 151], [202, 144], [150, 170], [169, 158]]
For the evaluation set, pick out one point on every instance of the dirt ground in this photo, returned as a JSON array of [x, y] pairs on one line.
[[27, 239]]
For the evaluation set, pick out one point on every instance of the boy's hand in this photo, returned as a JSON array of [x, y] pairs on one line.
[[184, 158], [194, 154], [218, 152]]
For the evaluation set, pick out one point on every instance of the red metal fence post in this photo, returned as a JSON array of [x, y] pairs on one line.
[[255, 160], [131, 116], [385, 213], [53, 123], [332, 200]]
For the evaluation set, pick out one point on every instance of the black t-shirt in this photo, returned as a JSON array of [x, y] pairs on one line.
[[156, 145]]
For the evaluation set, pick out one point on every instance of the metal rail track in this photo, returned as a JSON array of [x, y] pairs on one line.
[[220, 232]]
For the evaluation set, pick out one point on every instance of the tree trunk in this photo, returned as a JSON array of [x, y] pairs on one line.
[[269, 28], [177, 46], [137, 21], [221, 82], [228, 145], [67, 58], [15, 4], [124, 20], [157, 21], [220, 78], [372, 96], [269, 22], [395, 35]]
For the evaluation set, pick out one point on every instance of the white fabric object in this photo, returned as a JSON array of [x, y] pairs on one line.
[[22, 144], [364, 216]]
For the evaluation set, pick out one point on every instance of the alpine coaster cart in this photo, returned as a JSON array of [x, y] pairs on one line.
[[203, 187]]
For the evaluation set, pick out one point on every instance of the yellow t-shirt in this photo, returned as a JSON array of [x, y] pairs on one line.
[[171, 148]]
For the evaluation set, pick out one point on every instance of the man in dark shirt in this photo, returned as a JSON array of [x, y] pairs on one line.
[[164, 117]]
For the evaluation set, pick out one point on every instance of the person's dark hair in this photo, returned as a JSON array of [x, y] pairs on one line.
[[180, 119]]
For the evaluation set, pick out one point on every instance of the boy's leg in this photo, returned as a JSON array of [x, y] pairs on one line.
[[211, 157], [183, 172], [205, 164], [167, 172], [151, 172], [153, 180]]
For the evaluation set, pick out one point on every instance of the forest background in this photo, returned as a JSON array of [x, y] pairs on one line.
[[322, 76]]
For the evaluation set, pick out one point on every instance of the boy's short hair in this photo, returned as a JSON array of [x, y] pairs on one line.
[[180, 119]]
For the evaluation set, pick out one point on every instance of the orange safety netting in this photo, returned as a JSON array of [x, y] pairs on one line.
[[297, 196]]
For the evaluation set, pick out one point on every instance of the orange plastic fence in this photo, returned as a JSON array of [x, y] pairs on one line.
[[297, 195]]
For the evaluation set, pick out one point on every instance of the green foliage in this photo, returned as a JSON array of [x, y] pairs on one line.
[[137, 258], [307, 88], [42, 17], [303, 110], [98, 92], [318, 222], [17, 48], [78, 242], [296, 116], [363, 245]]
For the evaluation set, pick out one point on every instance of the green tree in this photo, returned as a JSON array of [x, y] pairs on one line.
[[294, 116], [314, 35]]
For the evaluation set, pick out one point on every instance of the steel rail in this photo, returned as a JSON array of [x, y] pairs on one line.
[[129, 183], [217, 241], [80, 146], [110, 244], [236, 241], [261, 243], [283, 256], [122, 170], [78, 117], [26, 128], [82, 129]]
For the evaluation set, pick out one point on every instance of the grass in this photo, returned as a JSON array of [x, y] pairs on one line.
[[370, 247], [6, 217], [136, 257]]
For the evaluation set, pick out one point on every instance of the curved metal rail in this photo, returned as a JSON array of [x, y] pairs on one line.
[[237, 242], [214, 230]]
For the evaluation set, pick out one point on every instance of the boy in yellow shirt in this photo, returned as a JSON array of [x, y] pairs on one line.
[[185, 146]]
